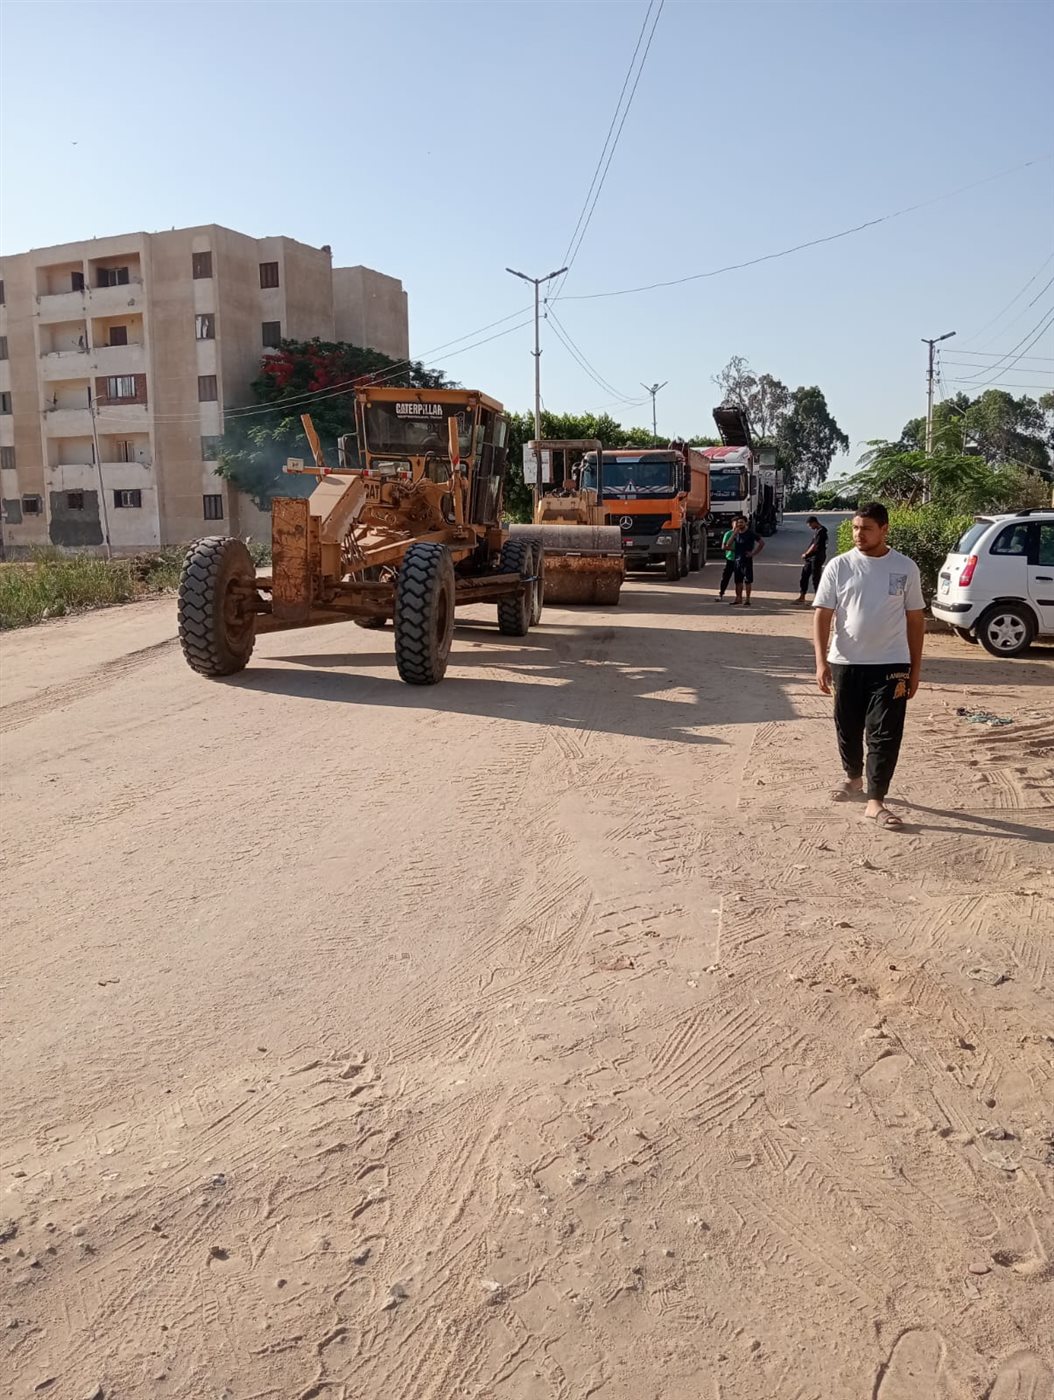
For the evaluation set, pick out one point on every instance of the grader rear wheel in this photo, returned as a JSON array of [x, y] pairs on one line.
[[515, 609], [217, 626], [424, 613]]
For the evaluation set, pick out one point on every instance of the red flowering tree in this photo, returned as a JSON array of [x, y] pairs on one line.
[[304, 376]]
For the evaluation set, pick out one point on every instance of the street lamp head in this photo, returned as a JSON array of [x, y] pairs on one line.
[[522, 275], [551, 275], [946, 337]]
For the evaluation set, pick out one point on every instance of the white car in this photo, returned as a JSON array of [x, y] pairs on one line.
[[997, 587]]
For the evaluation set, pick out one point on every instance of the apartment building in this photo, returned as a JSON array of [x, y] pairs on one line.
[[118, 356]]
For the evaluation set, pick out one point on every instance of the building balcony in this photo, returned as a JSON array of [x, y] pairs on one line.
[[67, 422], [120, 417], [119, 359], [93, 301], [65, 364]]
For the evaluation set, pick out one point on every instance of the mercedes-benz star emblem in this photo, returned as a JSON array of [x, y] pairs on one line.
[[626, 522]]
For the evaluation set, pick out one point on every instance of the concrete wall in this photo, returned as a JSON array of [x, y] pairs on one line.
[[370, 309]]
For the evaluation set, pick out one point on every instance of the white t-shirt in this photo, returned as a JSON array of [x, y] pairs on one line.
[[869, 598]]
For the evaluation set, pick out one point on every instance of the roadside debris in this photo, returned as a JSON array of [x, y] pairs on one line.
[[981, 716]]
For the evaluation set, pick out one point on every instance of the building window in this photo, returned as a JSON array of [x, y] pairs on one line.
[[112, 277], [32, 505], [3, 347], [206, 325], [3, 298], [121, 386], [7, 459], [272, 334], [269, 274], [125, 451], [207, 391], [5, 401], [77, 282], [74, 500], [127, 500], [210, 448], [202, 263], [213, 507], [118, 335]]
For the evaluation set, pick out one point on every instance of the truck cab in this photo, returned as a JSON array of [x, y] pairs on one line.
[[644, 492]]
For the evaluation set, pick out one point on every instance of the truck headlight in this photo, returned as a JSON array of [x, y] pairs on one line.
[[664, 539]]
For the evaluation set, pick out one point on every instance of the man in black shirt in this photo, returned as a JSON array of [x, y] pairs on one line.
[[814, 559], [745, 544]]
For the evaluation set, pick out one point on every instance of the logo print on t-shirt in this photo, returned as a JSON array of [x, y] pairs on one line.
[[898, 584]]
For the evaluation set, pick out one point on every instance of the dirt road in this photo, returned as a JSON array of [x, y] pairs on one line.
[[541, 1036]]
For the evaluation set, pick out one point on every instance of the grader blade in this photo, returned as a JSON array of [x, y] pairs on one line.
[[583, 563]]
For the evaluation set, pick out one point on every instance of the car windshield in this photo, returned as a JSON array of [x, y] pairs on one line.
[[630, 477], [973, 534], [411, 429], [727, 484]]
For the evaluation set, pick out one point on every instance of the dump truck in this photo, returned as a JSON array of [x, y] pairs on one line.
[[733, 473], [659, 499], [406, 528], [583, 549]]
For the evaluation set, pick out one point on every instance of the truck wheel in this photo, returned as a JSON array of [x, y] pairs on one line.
[[673, 567], [515, 609], [424, 613], [538, 593], [695, 553], [1006, 629], [683, 556], [217, 629]]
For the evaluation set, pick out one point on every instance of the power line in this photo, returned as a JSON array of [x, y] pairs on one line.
[[1042, 328], [993, 355], [590, 368], [332, 390], [1047, 387], [977, 334], [614, 144], [603, 150], [812, 242]]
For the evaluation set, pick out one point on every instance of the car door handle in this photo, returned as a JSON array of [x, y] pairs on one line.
[[1044, 578]]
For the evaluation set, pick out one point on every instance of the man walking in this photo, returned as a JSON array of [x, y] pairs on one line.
[[873, 598], [745, 544], [814, 559]]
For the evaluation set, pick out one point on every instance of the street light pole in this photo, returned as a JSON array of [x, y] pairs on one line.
[[929, 388], [536, 283], [653, 389]]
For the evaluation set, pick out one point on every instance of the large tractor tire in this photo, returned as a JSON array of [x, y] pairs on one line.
[[515, 609], [424, 613], [217, 631]]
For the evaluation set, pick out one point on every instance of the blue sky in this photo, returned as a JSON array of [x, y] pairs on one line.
[[441, 142]]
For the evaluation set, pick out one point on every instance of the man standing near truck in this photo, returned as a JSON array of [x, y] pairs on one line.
[[745, 544], [814, 559], [730, 564]]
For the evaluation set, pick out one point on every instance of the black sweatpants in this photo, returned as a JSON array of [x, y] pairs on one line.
[[811, 570], [726, 575], [871, 701]]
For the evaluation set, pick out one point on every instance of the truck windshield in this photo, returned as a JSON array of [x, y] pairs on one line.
[[411, 429], [728, 484], [630, 477]]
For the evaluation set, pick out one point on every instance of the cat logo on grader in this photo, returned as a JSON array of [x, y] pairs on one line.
[[406, 527]]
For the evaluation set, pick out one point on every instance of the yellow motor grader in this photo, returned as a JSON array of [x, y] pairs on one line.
[[406, 527]]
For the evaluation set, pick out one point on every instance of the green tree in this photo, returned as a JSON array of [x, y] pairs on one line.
[[315, 377], [798, 423], [953, 481], [996, 426]]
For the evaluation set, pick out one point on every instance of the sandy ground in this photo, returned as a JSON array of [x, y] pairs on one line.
[[541, 1036]]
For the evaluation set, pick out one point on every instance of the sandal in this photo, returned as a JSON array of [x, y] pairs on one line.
[[845, 793], [885, 818]]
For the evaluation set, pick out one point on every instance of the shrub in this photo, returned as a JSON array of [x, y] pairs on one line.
[[924, 533]]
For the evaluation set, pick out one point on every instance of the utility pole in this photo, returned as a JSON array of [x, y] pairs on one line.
[[98, 469], [536, 283], [929, 388], [653, 389]]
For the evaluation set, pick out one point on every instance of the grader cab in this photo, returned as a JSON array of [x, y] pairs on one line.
[[406, 527]]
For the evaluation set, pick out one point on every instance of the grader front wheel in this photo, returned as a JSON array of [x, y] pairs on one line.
[[515, 609], [424, 613], [217, 624]]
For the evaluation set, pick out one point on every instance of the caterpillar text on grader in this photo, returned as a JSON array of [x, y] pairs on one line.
[[407, 529]]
